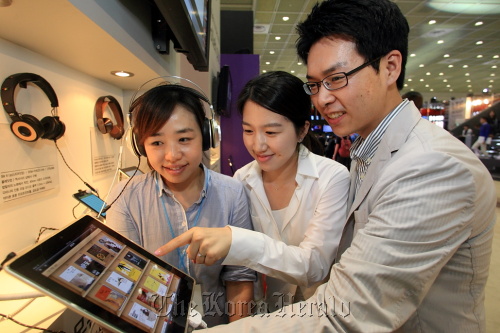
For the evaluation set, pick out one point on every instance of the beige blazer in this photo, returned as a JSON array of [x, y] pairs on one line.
[[417, 243]]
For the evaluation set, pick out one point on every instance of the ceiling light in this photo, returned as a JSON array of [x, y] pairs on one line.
[[413, 55], [261, 28], [450, 66], [495, 56], [469, 86], [409, 80], [467, 74], [446, 56], [271, 52], [264, 71], [492, 74], [465, 66], [421, 65], [440, 41], [432, 22], [479, 42], [277, 37], [299, 63], [427, 86], [122, 73], [445, 80], [268, 63], [469, 7], [491, 81], [421, 80], [447, 86], [494, 66], [467, 81], [432, 89], [479, 56], [285, 18], [428, 73], [478, 23], [441, 74], [292, 72]]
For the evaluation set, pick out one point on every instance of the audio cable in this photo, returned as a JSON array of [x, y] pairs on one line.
[[84, 182]]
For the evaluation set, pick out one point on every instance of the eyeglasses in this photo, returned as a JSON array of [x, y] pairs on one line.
[[334, 81]]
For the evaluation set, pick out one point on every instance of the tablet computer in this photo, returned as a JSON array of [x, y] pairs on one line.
[[107, 278], [92, 201]]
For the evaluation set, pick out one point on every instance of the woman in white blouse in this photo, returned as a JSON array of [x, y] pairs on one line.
[[298, 199]]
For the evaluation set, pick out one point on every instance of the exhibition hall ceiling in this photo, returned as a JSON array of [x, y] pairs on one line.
[[458, 53], [454, 44]]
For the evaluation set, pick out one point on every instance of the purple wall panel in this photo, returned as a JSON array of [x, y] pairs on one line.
[[243, 67]]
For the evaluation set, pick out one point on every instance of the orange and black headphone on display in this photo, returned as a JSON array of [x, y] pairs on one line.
[[27, 127], [106, 125], [210, 128]]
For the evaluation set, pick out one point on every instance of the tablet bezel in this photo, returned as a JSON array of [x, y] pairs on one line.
[[23, 266]]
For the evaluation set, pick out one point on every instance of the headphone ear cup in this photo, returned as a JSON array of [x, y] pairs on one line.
[[207, 134], [27, 128], [138, 150], [53, 128], [116, 131], [215, 133], [105, 125]]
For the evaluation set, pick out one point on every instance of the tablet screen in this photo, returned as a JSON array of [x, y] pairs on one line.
[[108, 278]]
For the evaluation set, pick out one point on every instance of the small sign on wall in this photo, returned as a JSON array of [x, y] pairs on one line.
[[21, 183], [28, 169], [104, 159]]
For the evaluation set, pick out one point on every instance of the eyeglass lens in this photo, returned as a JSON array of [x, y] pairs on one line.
[[332, 82]]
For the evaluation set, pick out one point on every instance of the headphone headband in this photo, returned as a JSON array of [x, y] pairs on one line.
[[9, 86], [198, 92]]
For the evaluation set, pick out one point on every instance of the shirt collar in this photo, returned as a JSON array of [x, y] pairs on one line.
[[364, 149]]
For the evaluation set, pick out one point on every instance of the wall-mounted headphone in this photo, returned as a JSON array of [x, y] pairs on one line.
[[210, 128], [27, 127], [106, 125]]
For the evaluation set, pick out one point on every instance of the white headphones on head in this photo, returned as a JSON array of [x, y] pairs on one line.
[[210, 127]]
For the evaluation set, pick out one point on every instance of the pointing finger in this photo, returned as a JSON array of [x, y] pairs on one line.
[[178, 241]]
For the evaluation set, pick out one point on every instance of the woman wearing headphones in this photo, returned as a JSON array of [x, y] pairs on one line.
[[180, 193], [298, 199]]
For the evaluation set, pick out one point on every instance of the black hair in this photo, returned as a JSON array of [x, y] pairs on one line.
[[376, 27], [282, 93], [154, 108]]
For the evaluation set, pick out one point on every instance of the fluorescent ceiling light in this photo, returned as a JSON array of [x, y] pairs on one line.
[[468, 7]]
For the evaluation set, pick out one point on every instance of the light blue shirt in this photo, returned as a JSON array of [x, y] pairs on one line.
[[139, 214]]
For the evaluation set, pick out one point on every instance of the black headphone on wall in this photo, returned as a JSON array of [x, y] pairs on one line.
[[106, 125], [27, 127], [210, 128]]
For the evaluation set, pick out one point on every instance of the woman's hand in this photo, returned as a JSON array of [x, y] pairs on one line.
[[206, 245]]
